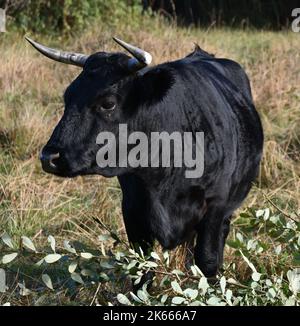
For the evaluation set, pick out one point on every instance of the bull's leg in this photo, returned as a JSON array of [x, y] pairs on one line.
[[135, 207], [225, 232], [139, 237], [135, 212], [212, 233]]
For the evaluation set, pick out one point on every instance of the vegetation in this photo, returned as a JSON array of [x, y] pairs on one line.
[[70, 16], [66, 16], [63, 240]]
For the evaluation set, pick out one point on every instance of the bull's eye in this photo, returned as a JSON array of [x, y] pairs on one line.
[[108, 104]]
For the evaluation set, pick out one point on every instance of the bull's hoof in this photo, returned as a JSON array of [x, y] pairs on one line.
[[208, 267]]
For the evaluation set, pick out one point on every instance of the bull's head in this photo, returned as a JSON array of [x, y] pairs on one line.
[[99, 99]]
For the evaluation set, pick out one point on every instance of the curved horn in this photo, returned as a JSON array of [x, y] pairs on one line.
[[71, 58], [141, 58]]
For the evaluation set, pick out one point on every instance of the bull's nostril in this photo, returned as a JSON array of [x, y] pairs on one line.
[[48, 160], [53, 157]]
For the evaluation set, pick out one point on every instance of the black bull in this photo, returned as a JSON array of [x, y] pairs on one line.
[[196, 93]]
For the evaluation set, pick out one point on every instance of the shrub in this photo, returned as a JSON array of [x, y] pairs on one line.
[[81, 267], [64, 16]]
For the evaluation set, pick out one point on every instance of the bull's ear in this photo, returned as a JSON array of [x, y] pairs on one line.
[[148, 88], [155, 84]]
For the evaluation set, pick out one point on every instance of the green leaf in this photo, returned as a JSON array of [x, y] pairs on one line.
[[296, 258], [195, 303], [275, 219], [51, 240], [213, 301], [86, 272], [135, 298], [166, 255], [28, 243], [164, 298], [119, 255], [177, 272], [251, 244], [196, 270], [151, 264], [240, 237], [233, 244], [2, 281], [291, 225], [23, 290], [52, 258], [131, 264], [165, 280], [68, 247], [248, 262], [256, 276], [105, 264], [254, 285], [86, 255], [278, 250], [260, 213], [9, 258], [203, 285], [47, 280], [269, 283], [7, 240], [191, 293], [294, 280], [123, 299], [104, 237], [40, 262], [271, 293], [155, 255], [266, 214], [134, 253], [232, 281], [260, 250], [138, 280], [290, 301], [77, 278], [228, 295], [104, 277], [178, 300], [176, 287], [223, 284], [72, 267], [142, 295], [142, 252]]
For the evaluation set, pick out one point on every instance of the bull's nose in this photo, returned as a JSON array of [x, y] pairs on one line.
[[48, 159]]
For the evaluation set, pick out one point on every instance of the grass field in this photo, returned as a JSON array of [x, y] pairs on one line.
[[36, 205]]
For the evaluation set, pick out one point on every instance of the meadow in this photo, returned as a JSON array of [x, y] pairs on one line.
[[79, 221]]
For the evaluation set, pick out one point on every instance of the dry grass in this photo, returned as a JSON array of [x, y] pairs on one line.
[[31, 87]]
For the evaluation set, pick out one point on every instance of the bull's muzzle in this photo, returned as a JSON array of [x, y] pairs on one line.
[[49, 160]]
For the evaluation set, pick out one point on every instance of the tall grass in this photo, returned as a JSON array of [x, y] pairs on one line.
[[35, 204]]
